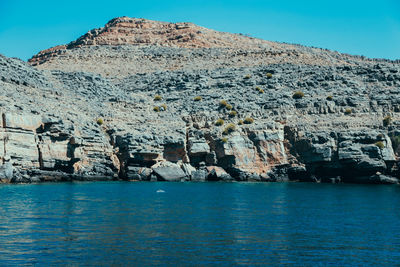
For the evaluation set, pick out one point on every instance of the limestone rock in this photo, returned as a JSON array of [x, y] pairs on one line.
[[22, 121], [199, 176], [139, 100], [199, 148], [216, 173], [167, 171]]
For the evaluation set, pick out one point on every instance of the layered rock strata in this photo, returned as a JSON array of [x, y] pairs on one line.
[[128, 45], [111, 107]]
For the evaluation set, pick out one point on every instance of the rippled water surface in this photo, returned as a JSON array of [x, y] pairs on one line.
[[199, 224]]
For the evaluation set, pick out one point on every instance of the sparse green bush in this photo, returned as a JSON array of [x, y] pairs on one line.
[[156, 109], [197, 98], [232, 113], [157, 98], [380, 144], [219, 122], [269, 75], [100, 121], [329, 98], [240, 122], [229, 107], [164, 107], [223, 103], [348, 111], [248, 76], [248, 120], [298, 95], [229, 128], [387, 120], [224, 140]]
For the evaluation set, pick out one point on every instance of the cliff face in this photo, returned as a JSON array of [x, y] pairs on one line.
[[147, 104]]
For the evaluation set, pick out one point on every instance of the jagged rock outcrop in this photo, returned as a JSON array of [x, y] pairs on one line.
[[47, 150], [125, 46], [133, 101], [354, 156]]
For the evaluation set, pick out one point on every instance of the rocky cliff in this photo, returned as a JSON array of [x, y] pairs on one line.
[[145, 100], [125, 46]]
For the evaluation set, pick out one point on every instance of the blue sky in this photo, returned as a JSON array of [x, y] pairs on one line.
[[370, 28]]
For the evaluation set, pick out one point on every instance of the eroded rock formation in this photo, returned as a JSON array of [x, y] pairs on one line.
[[133, 101]]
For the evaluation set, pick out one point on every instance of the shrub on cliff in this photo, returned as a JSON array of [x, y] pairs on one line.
[[156, 109], [269, 75], [298, 95], [219, 122], [329, 98], [232, 113], [248, 120], [163, 107], [100, 121], [240, 122], [248, 76], [261, 91], [197, 98], [380, 144], [229, 107], [224, 140], [348, 111], [229, 128], [223, 103], [387, 120], [157, 98]]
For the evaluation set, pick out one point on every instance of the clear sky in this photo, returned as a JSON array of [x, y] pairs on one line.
[[369, 28]]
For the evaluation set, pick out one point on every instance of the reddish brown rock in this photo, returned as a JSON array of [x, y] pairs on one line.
[[97, 52]]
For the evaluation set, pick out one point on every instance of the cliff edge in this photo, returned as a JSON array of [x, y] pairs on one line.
[[145, 100]]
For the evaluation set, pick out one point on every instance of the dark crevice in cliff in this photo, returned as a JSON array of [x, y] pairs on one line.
[[187, 146], [290, 135], [71, 147], [299, 171], [5, 139], [122, 158], [174, 152], [120, 171], [120, 151], [227, 162], [40, 156], [3, 117], [215, 147], [38, 138]]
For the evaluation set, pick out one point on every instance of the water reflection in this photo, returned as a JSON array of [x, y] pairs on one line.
[[210, 223]]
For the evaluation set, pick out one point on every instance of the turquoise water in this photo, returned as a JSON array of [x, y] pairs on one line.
[[199, 224]]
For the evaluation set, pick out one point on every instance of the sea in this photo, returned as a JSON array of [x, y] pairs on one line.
[[199, 224]]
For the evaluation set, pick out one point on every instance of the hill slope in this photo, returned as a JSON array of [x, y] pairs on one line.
[[126, 45], [103, 107]]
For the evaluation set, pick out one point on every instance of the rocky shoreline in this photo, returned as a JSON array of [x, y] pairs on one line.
[[150, 101], [36, 149]]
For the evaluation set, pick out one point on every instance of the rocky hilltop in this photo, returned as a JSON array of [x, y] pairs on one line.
[[125, 46], [146, 100]]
